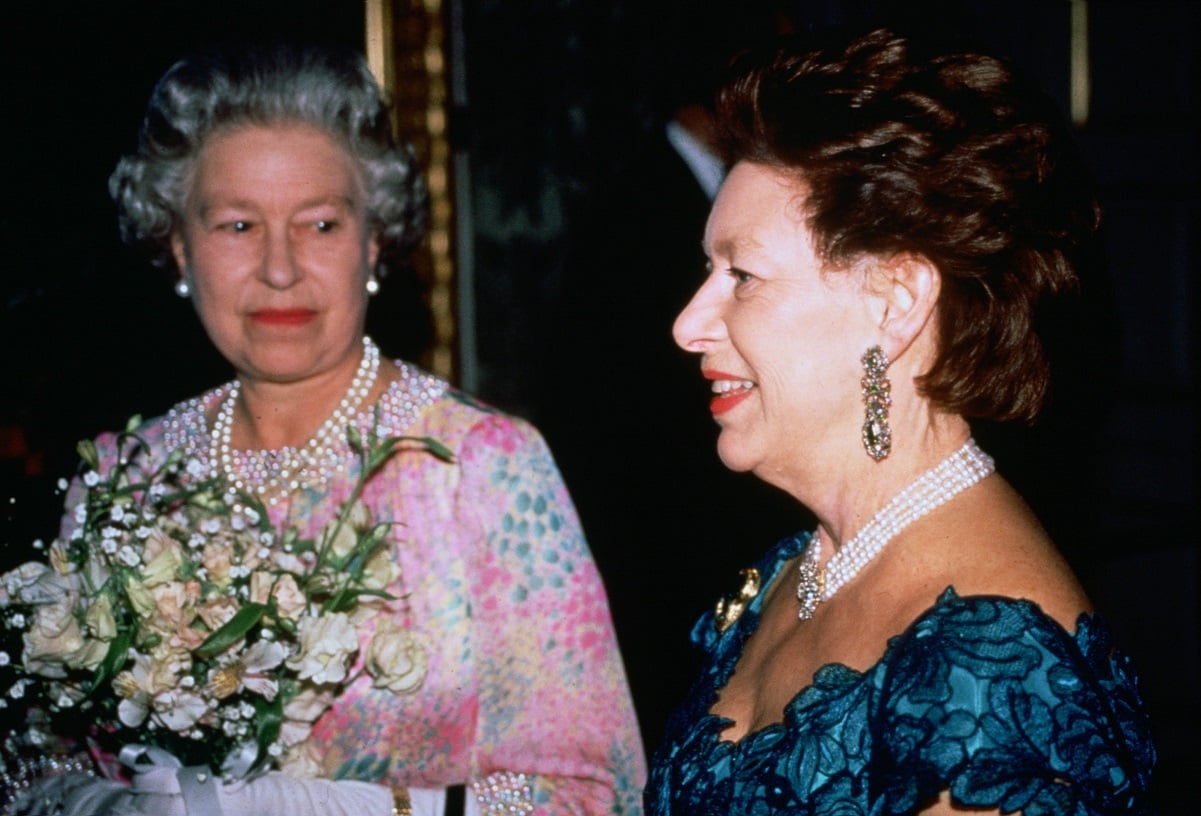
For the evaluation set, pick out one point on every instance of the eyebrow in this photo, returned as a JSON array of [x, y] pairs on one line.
[[206, 207], [730, 247]]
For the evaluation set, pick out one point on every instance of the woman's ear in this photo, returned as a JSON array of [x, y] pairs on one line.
[[179, 251], [373, 254], [905, 289]]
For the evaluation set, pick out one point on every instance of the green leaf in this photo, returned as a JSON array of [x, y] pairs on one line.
[[268, 717], [114, 659], [438, 449], [88, 453], [354, 438], [133, 423], [234, 630]]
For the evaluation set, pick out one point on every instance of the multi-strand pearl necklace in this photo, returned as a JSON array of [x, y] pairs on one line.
[[956, 473], [273, 473]]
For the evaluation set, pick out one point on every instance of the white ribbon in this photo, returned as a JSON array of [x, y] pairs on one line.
[[156, 771], [239, 762]]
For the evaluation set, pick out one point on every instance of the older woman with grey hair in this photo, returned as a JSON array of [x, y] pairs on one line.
[[268, 181]]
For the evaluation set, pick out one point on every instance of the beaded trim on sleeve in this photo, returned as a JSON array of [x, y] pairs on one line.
[[504, 794], [184, 426], [19, 774]]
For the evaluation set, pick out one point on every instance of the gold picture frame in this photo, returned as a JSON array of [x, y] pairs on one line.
[[406, 49]]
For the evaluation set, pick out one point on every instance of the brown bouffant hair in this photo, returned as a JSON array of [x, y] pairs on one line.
[[946, 154]]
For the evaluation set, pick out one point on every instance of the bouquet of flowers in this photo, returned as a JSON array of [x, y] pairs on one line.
[[172, 615]]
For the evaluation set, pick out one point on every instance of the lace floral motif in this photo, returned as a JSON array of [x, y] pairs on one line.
[[985, 696]]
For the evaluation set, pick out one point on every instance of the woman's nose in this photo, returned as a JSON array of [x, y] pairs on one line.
[[699, 324], [280, 268]]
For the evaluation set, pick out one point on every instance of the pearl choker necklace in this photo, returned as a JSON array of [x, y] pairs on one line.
[[271, 474], [935, 487]]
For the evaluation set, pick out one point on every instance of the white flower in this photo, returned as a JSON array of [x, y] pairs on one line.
[[110, 532], [395, 658], [249, 672], [81, 513], [34, 583], [91, 478], [194, 467], [109, 546], [99, 618], [118, 513], [179, 710], [150, 677], [128, 556], [143, 532], [163, 557], [4, 659], [326, 646], [63, 484], [290, 602]]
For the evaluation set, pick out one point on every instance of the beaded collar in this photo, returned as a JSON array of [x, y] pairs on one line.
[[185, 427]]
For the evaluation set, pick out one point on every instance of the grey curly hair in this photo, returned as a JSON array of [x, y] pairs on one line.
[[223, 89]]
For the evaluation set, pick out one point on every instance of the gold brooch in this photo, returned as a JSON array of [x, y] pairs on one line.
[[731, 609]]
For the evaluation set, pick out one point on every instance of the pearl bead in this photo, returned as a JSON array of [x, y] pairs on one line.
[[935, 487], [270, 473]]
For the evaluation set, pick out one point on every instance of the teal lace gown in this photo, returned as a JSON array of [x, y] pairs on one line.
[[985, 696]]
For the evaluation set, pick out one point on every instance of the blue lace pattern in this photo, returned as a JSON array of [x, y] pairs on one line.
[[984, 696]]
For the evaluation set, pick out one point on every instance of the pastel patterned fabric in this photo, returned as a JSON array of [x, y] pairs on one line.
[[986, 696], [525, 695]]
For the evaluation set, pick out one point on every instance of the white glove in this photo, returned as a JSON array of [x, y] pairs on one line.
[[275, 794], [163, 791], [161, 787]]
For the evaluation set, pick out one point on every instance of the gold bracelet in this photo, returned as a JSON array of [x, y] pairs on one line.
[[402, 805]]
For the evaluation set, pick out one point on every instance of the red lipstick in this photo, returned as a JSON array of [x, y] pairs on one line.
[[283, 317], [726, 401]]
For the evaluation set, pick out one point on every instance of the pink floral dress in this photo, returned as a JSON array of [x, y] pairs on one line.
[[525, 697]]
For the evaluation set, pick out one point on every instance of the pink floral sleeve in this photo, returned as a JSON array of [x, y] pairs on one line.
[[525, 697], [555, 701]]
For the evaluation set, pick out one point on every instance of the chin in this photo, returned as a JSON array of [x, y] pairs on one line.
[[735, 457]]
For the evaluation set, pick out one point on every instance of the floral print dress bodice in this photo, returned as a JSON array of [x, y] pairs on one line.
[[985, 696], [524, 698]]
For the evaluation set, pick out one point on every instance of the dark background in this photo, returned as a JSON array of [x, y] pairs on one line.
[[576, 214]]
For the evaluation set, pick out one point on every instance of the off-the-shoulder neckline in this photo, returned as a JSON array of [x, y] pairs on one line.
[[836, 677]]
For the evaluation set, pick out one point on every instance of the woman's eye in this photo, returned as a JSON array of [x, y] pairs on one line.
[[740, 276], [325, 225], [236, 226]]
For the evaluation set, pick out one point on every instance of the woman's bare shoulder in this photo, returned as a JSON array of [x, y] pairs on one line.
[[990, 543]]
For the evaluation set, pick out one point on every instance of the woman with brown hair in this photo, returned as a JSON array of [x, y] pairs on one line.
[[893, 217]]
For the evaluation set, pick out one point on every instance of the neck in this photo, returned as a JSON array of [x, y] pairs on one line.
[[847, 499], [272, 415]]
